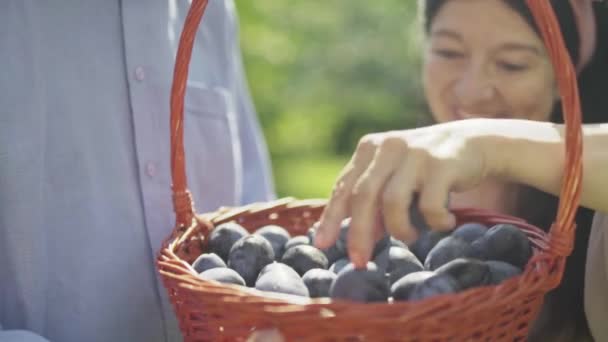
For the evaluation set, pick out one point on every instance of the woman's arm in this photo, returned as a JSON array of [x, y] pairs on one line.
[[533, 153], [388, 168]]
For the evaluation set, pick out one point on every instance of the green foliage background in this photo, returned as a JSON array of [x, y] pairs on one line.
[[324, 73]]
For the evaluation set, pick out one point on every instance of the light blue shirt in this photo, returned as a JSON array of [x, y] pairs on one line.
[[85, 197]]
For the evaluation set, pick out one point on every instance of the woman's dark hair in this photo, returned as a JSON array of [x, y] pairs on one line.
[[563, 316], [562, 9]]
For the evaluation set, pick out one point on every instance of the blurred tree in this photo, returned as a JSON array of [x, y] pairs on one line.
[[324, 73]]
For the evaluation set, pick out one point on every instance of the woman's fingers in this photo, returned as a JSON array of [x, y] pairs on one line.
[[336, 209], [433, 196], [364, 202], [385, 172], [338, 205], [396, 199]]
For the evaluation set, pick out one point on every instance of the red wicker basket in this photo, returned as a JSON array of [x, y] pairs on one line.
[[210, 311]]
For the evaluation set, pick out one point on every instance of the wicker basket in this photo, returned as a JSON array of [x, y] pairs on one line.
[[210, 311]]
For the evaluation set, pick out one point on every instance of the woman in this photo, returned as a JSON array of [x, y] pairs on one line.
[[492, 65], [487, 59], [387, 168]]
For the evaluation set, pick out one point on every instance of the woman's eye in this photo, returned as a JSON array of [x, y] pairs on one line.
[[449, 54], [512, 67]]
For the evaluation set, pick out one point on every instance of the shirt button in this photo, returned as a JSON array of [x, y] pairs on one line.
[[150, 169], [140, 73]]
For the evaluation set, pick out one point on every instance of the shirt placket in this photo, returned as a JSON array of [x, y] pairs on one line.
[[146, 54]]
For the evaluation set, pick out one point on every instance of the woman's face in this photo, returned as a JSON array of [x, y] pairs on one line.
[[483, 60]]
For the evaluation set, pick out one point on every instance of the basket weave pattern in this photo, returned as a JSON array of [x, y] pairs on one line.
[[210, 311]]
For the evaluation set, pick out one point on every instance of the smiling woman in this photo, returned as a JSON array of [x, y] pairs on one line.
[[486, 58]]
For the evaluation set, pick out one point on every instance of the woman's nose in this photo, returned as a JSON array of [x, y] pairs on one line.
[[474, 90]]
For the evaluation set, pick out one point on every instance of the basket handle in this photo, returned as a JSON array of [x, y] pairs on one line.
[[562, 230], [182, 199], [561, 238]]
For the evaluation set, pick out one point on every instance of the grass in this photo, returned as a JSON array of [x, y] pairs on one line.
[[307, 176]]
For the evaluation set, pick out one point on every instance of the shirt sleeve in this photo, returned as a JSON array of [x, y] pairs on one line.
[[596, 278]]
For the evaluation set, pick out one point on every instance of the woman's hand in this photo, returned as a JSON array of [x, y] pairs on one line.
[[387, 169]]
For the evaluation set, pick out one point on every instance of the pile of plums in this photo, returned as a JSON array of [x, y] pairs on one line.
[[270, 259]]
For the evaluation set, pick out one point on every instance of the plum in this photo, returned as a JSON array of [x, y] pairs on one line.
[[276, 266], [398, 243], [381, 245], [310, 234], [303, 258], [402, 288], [207, 261], [504, 242], [318, 281], [337, 266], [470, 231], [249, 255], [277, 236], [297, 240], [223, 237], [282, 280], [397, 262], [467, 272], [425, 242], [223, 275], [367, 284], [501, 271], [434, 285], [446, 250]]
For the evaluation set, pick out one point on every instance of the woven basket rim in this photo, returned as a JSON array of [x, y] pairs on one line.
[[172, 266]]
